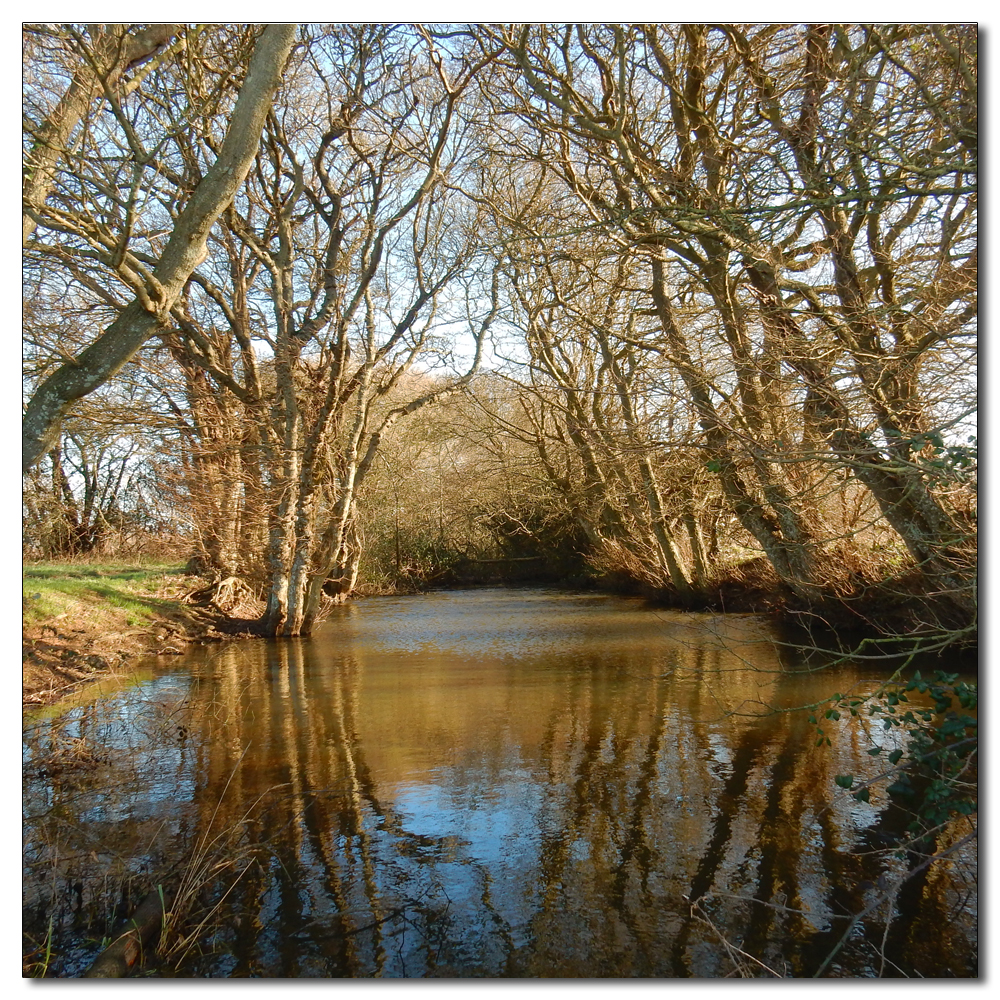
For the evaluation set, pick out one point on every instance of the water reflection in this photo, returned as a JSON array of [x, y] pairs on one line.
[[496, 783]]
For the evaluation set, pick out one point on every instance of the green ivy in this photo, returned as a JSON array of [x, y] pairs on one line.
[[933, 779]]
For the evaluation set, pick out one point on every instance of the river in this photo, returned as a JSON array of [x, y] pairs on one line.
[[487, 783]]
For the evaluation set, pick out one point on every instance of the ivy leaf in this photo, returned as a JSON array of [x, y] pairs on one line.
[[844, 780]]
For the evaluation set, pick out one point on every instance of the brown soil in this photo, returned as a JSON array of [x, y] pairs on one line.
[[62, 655]]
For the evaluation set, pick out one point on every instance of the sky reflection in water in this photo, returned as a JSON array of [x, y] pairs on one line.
[[495, 783]]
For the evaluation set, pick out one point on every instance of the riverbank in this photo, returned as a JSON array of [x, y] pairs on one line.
[[83, 622], [86, 621], [852, 608]]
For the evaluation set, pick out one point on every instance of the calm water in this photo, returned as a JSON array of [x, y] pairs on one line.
[[487, 783]]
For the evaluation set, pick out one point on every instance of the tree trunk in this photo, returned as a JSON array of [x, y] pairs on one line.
[[789, 556]]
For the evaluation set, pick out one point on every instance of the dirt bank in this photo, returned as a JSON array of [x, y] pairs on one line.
[[83, 623]]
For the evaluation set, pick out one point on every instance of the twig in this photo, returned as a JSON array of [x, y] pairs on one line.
[[699, 914], [888, 895]]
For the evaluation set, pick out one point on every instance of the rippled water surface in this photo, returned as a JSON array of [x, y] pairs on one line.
[[487, 783]]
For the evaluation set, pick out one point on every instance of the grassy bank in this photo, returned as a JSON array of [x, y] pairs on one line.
[[84, 620]]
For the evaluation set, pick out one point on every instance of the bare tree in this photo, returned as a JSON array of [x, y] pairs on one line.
[[334, 262], [753, 171], [740, 262], [157, 286]]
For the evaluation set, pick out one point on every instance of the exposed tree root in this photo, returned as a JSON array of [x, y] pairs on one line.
[[230, 595]]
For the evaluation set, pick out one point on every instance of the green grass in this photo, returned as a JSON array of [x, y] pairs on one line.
[[54, 589]]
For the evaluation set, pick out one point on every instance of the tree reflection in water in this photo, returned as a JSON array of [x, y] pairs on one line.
[[493, 783]]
